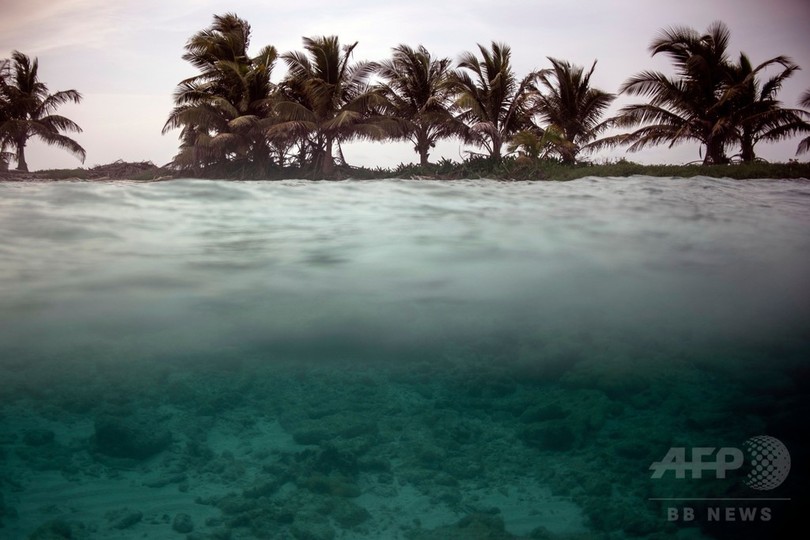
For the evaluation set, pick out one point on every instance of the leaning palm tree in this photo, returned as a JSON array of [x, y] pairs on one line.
[[326, 100], [758, 114], [29, 111], [804, 101], [420, 95], [494, 104], [571, 107], [690, 106], [226, 109]]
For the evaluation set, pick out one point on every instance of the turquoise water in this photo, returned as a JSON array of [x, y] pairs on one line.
[[399, 359]]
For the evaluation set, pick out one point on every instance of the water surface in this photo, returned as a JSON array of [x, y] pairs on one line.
[[395, 359]]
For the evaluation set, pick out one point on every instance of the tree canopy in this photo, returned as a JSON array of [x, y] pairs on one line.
[[420, 94], [326, 99], [711, 100], [28, 109], [494, 104], [571, 109], [226, 109], [234, 119]]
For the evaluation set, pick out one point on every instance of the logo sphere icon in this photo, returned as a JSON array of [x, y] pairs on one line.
[[770, 462]]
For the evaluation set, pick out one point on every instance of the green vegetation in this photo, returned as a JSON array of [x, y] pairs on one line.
[[225, 110], [511, 168], [27, 110], [326, 100], [235, 122], [711, 101], [420, 94], [492, 103], [119, 170], [804, 146], [571, 109]]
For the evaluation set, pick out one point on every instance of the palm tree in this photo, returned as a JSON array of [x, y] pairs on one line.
[[326, 100], [758, 115], [534, 144], [418, 89], [689, 107], [804, 101], [225, 110], [571, 107], [5, 74], [29, 111], [494, 104]]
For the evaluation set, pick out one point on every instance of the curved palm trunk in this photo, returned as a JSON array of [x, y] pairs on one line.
[[22, 165]]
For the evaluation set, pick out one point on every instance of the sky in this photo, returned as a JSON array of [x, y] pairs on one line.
[[124, 56]]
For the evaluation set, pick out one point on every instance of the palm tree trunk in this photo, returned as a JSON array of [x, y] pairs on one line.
[[747, 149], [423, 157], [261, 156], [22, 165], [423, 147], [495, 153], [196, 164], [568, 157], [327, 163], [714, 152]]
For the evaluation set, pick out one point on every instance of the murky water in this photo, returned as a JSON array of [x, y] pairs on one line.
[[401, 359]]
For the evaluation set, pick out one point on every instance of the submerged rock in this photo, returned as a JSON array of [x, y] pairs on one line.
[[311, 436], [38, 437], [554, 436], [132, 437], [163, 481], [336, 485], [479, 526], [58, 529], [306, 530], [128, 520], [541, 413], [349, 515], [182, 523]]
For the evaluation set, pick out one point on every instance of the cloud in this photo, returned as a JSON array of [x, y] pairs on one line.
[[36, 26]]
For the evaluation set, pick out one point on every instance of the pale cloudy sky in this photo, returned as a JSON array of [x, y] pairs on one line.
[[124, 56]]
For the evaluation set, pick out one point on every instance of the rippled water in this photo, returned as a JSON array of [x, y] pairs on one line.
[[495, 358]]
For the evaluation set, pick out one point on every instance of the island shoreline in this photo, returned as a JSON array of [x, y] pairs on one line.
[[506, 170]]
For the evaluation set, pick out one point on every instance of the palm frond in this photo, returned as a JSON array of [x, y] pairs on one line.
[[58, 140]]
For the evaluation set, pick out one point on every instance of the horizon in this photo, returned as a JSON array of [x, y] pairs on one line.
[[125, 59]]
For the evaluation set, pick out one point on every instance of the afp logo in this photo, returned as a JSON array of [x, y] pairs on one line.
[[768, 458]]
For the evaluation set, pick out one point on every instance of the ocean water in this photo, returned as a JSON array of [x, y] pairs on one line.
[[404, 359]]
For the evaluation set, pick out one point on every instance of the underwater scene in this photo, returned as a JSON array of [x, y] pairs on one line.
[[603, 358]]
